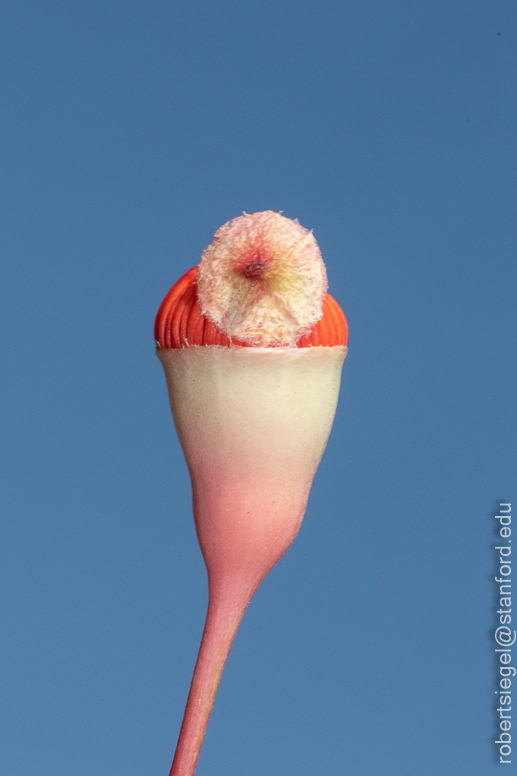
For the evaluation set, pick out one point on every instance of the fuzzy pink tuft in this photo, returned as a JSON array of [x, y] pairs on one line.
[[262, 280]]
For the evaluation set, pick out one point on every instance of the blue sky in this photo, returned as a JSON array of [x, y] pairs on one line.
[[131, 132]]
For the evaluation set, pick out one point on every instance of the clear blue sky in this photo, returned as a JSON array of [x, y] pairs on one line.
[[130, 132]]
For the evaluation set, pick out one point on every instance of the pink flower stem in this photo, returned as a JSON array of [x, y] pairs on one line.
[[227, 604]]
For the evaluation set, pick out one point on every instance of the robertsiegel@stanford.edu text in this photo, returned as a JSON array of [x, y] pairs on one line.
[[504, 636]]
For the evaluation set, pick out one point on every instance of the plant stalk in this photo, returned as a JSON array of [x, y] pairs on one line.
[[226, 608]]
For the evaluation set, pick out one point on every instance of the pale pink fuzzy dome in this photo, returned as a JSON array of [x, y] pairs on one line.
[[262, 280]]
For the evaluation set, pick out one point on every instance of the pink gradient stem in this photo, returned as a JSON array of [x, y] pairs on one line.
[[226, 607]]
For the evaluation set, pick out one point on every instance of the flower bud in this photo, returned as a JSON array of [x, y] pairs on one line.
[[252, 346]]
